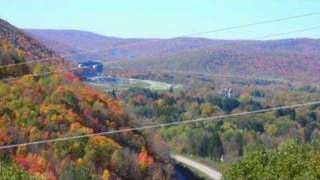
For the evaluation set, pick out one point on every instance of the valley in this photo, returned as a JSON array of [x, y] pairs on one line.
[[79, 103], [292, 59]]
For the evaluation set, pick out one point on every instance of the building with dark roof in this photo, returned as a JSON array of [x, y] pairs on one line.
[[91, 68]]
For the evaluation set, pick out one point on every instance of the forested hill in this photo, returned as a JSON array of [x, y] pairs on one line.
[[31, 47], [36, 108], [285, 59]]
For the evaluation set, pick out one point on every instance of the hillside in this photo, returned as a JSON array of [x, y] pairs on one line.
[[32, 48], [289, 59], [81, 45], [59, 106]]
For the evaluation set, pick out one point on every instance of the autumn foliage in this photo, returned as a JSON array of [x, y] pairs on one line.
[[58, 106], [145, 160]]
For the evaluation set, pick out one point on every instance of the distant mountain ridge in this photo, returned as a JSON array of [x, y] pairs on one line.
[[284, 59], [86, 45], [287, 58]]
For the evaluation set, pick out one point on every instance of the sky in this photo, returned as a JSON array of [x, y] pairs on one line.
[[164, 18]]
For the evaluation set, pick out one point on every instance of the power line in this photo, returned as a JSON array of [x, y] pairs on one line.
[[183, 36], [40, 74], [25, 63], [289, 32], [253, 24], [161, 125]]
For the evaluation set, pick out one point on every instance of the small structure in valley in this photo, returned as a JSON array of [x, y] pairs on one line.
[[91, 68]]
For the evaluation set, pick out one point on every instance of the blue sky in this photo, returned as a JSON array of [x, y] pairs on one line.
[[163, 18]]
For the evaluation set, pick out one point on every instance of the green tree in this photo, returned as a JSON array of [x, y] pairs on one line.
[[75, 172], [13, 172], [292, 160], [215, 148], [228, 104]]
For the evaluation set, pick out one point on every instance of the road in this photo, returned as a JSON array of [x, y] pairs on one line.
[[213, 174]]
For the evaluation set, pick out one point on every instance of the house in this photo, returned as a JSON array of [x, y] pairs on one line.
[[226, 92]]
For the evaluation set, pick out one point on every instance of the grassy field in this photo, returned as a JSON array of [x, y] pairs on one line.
[[149, 84]]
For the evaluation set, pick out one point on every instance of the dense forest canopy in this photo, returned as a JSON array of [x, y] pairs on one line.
[[228, 137], [35, 108]]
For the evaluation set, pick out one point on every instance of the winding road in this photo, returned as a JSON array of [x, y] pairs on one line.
[[211, 173]]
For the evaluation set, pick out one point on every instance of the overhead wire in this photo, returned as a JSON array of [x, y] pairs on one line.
[[161, 125], [41, 74]]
